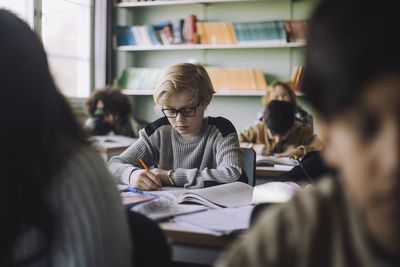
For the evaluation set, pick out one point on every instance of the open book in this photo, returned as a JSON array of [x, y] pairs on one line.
[[262, 160], [220, 196]]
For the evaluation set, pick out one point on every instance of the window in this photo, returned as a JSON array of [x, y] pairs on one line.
[[65, 27]]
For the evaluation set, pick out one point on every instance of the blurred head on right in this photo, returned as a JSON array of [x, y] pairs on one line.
[[352, 79]]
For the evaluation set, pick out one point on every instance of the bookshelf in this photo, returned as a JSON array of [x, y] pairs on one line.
[[276, 59], [176, 2]]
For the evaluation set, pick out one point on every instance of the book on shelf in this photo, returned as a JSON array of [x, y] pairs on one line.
[[124, 35], [215, 33], [296, 30], [230, 79], [140, 78], [223, 79], [260, 31], [233, 194], [263, 160], [296, 78], [189, 29], [177, 26]]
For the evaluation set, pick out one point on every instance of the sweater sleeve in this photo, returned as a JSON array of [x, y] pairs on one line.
[[251, 134], [123, 165], [91, 225], [229, 165]]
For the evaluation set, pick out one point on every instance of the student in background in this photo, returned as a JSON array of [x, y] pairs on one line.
[[282, 91], [278, 133], [353, 81], [110, 114], [58, 204], [183, 148]]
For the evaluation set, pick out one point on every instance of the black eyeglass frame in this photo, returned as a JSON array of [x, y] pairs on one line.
[[182, 111]]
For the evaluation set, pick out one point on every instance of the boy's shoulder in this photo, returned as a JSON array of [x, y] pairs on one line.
[[153, 126], [224, 125]]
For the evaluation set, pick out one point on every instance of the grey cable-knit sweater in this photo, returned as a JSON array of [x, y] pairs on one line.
[[213, 155], [91, 227]]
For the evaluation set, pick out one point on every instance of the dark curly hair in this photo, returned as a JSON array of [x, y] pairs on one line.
[[115, 102]]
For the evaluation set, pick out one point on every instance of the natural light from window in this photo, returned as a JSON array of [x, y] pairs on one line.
[[66, 33]]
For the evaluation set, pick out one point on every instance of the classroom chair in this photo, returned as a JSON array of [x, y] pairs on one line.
[[150, 245], [249, 156]]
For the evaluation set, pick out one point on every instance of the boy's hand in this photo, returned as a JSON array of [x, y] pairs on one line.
[[162, 175], [299, 151], [145, 180], [261, 149]]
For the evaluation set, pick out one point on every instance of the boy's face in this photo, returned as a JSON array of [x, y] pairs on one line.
[[364, 145], [186, 126]]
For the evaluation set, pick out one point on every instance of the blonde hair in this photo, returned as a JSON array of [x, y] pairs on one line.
[[269, 95], [184, 77]]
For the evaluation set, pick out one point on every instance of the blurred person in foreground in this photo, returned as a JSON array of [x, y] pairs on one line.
[[353, 81], [58, 203]]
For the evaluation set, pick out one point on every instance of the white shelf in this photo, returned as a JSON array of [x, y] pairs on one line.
[[240, 45], [175, 2]]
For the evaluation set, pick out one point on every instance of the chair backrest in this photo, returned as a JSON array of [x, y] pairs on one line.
[[249, 156]]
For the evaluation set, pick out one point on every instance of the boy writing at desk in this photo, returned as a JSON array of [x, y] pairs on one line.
[[185, 148], [280, 134]]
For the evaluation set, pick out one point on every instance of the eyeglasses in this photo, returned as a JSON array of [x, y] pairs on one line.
[[172, 113]]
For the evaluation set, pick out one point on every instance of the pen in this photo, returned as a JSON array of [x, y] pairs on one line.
[[137, 191], [302, 167], [143, 164]]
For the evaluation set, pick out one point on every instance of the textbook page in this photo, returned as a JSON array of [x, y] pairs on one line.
[[219, 221], [226, 195], [262, 160]]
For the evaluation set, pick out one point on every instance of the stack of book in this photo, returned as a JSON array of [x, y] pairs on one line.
[[140, 78], [260, 31], [229, 79], [191, 31], [215, 33], [223, 79]]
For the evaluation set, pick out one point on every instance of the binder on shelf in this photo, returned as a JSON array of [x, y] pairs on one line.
[[124, 35]]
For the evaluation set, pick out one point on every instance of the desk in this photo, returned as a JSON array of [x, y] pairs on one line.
[[192, 245], [111, 145]]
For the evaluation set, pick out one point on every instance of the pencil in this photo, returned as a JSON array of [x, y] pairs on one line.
[[143, 164]]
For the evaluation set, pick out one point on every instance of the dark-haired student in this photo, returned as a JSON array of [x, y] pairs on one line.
[[283, 91], [353, 81], [58, 203], [280, 134], [183, 148], [110, 113]]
